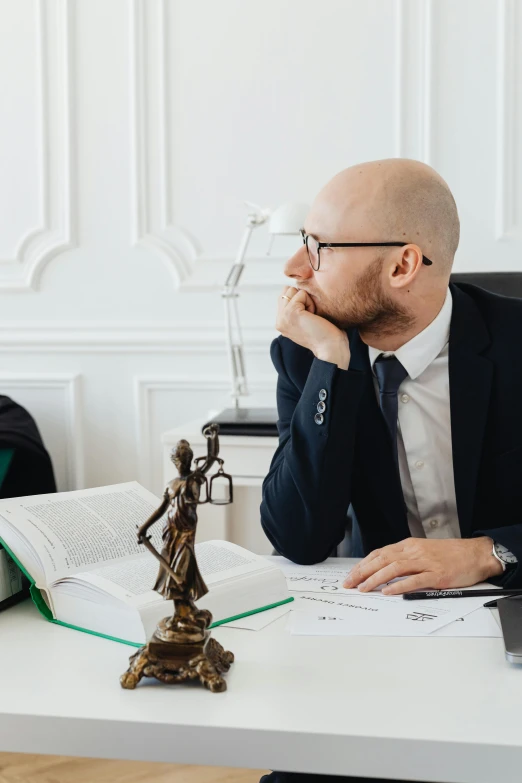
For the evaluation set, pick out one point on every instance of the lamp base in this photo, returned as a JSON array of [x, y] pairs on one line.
[[247, 421]]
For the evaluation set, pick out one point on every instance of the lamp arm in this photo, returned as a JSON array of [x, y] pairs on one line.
[[234, 349], [233, 331], [234, 336]]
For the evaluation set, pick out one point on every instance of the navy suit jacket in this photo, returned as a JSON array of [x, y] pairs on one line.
[[319, 470]]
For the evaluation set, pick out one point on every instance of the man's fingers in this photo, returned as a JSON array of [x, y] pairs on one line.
[[393, 571], [367, 568], [296, 299], [376, 560], [423, 581], [289, 291], [300, 297], [304, 298]]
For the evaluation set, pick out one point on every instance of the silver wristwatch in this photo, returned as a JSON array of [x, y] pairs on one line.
[[503, 555]]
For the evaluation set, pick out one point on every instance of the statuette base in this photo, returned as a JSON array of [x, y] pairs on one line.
[[174, 663]]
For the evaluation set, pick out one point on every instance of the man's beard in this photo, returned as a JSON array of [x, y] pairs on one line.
[[367, 307]]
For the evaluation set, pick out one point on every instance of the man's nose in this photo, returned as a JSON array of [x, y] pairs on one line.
[[299, 265]]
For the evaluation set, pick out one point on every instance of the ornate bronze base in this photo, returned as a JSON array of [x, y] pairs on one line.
[[172, 663]]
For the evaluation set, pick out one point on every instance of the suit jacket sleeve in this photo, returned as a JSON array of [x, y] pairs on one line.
[[306, 493]]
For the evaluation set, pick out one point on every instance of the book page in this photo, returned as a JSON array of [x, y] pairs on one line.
[[132, 580], [220, 561], [76, 531]]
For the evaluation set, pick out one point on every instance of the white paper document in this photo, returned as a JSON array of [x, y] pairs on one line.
[[255, 622], [370, 615], [320, 578], [318, 591], [481, 622], [477, 623]]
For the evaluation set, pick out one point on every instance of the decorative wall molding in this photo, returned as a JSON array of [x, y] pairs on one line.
[[70, 385], [144, 388], [508, 102], [56, 232], [154, 225], [414, 79], [203, 337]]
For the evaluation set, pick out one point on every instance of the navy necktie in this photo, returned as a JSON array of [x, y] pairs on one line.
[[390, 374]]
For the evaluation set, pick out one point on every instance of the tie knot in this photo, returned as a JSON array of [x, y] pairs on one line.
[[390, 374]]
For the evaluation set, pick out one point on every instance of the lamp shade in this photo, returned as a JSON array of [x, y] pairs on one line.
[[288, 218]]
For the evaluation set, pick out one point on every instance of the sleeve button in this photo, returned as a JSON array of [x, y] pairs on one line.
[[321, 407], [323, 394], [318, 418]]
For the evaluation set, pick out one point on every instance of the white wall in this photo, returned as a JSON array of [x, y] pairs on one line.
[[132, 130]]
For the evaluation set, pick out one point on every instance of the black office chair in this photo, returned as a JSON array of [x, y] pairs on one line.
[[505, 283]]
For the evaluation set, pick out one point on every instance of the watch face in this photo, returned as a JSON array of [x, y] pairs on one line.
[[505, 555]]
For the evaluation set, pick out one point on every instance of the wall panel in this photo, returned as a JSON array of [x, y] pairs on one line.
[[132, 133]]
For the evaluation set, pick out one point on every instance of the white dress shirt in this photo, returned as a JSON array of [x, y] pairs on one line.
[[424, 430]]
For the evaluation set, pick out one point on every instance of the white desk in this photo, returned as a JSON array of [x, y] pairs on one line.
[[247, 459], [420, 709]]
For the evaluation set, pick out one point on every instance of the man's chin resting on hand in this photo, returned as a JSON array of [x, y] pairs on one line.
[[426, 564]]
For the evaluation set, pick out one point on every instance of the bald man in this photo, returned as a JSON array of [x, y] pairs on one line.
[[399, 394]]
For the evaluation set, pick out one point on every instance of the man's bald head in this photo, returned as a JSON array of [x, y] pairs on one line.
[[393, 200]]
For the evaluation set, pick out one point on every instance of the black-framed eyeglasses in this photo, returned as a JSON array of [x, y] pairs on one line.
[[314, 248]]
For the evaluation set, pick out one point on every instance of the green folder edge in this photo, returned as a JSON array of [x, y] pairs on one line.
[[46, 612]]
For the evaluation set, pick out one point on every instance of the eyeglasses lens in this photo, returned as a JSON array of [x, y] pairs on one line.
[[313, 252]]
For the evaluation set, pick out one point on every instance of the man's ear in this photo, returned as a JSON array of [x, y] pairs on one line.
[[405, 267]]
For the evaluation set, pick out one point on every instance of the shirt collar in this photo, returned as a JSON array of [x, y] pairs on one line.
[[419, 352]]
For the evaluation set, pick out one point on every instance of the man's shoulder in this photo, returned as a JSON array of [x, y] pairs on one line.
[[490, 322], [497, 310]]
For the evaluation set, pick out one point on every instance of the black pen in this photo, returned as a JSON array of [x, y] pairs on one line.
[[423, 595]]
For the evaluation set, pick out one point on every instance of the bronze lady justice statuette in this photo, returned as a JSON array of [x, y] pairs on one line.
[[181, 648]]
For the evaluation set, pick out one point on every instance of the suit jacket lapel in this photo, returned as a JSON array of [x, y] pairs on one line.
[[375, 446], [470, 378]]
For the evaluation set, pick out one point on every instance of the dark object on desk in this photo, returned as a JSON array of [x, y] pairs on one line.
[[510, 613], [422, 595], [181, 648], [21, 595], [14, 585], [261, 422]]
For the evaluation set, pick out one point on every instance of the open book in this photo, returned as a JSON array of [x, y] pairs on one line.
[[80, 552]]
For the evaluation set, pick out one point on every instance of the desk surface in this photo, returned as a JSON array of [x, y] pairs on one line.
[[435, 709]]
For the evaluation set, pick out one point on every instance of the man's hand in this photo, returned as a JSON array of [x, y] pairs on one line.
[[296, 319], [427, 564]]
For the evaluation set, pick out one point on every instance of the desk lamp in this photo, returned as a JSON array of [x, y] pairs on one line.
[[286, 219]]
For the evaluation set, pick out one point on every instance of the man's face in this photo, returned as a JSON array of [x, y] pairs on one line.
[[350, 288]]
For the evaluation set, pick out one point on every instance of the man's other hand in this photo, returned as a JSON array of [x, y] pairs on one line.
[[297, 320], [426, 564]]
